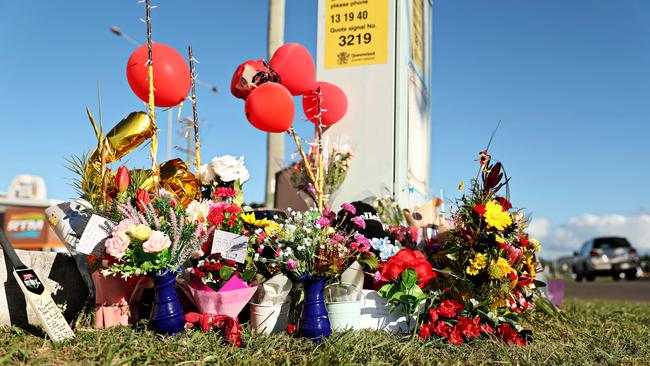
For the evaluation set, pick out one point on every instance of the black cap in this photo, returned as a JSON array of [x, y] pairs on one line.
[[374, 228]]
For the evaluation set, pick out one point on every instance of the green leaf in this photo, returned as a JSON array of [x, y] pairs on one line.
[[409, 278], [248, 275], [371, 262], [226, 273]]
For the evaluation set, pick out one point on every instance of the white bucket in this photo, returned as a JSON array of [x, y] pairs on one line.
[[269, 319], [344, 315], [375, 314]]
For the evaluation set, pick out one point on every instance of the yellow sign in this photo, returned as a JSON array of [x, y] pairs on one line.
[[417, 34], [356, 32]]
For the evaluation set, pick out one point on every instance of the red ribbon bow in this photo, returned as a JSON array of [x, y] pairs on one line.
[[209, 322]]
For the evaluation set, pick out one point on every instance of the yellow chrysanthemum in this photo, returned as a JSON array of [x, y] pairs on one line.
[[495, 216], [500, 239], [535, 244], [476, 264], [500, 268]]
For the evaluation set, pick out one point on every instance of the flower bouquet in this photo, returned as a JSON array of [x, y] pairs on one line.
[[220, 286], [491, 262]]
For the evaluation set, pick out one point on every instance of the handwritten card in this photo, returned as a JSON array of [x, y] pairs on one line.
[[95, 234], [230, 246]]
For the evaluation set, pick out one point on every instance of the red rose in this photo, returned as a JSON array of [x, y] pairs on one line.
[[480, 209], [122, 179], [505, 204], [407, 258]]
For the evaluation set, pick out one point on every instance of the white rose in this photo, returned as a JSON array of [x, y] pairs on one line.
[[206, 174], [198, 211], [229, 169]]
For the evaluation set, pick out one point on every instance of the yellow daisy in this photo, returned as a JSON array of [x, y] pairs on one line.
[[248, 218], [500, 268]]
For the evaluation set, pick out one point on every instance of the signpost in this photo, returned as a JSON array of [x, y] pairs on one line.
[[378, 52]]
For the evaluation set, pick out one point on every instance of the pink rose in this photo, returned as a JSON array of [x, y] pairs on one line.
[[124, 226], [116, 246], [156, 243]]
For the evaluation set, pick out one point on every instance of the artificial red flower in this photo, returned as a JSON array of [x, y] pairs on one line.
[[505, 204], [480, 209], [291, 328], [512, 276], [449, 308], [486, 328], [122, 179]]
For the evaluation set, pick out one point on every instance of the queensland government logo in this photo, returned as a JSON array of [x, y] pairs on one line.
[[343, 58]]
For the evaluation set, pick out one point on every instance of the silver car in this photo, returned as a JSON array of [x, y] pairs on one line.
[[605, 256]]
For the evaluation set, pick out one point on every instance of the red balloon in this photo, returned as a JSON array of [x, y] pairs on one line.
[[270, 108], [250, 75], [171, 75], [296, 68], [333, 103]]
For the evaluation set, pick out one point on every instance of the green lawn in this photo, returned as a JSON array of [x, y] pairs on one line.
[[587, 333]]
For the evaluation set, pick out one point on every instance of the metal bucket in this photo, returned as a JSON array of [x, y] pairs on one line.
[[269, 319], [344, 315]]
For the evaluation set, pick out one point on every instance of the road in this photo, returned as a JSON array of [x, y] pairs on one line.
[[638, 290]]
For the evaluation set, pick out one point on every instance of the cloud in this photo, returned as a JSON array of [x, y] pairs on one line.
[[565, 238]]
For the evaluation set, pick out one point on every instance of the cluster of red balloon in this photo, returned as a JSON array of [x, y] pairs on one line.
[[171, 75], [268, 89]]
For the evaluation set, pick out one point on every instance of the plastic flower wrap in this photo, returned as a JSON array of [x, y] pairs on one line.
[[220, 286], [307, 243]]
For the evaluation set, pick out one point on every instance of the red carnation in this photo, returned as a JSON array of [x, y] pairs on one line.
[[224, 192], [433, 315], [441, 329], [455, 337], [469, 327], [509, 335], [407, 258], [291, 328], [480, 209], [449, 308], [425, 331]]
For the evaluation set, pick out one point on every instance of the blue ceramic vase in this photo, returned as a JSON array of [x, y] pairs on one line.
[[167, 316], [314, 322]]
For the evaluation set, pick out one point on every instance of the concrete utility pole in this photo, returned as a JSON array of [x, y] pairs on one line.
[[274, 141]]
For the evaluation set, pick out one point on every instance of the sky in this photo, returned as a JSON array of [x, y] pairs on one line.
[[570, 82]]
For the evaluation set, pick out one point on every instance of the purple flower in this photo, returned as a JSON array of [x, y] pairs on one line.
[[291, 264], [377, 276], [359, 221], [349, 208], [323, 221]]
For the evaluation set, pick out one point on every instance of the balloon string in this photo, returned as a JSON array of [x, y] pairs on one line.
[[305, 161], [197, 143], [152, 107], [321, 173]]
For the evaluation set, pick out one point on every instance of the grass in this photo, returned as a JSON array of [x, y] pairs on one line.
[[587, 333]]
